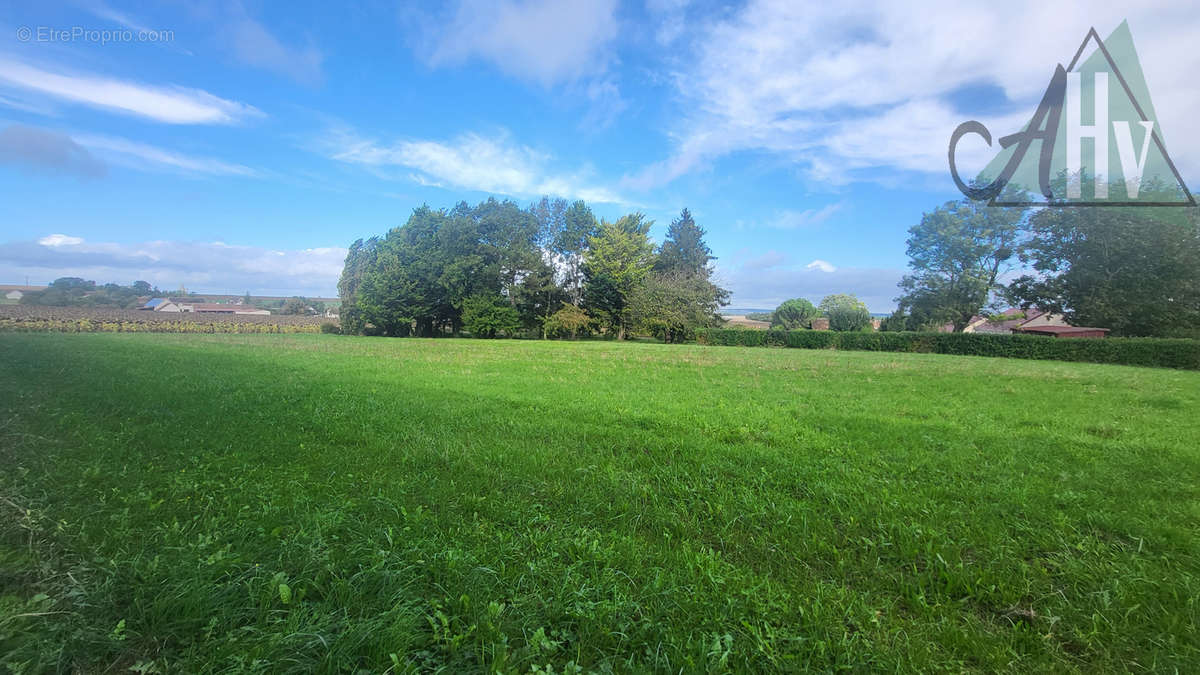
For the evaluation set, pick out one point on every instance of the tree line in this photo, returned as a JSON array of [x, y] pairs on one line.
[[551, 269], [1134, 270], [77, 292]]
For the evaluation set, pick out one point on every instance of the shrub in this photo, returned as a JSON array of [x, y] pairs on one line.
[[846, 313], [487, 316], [568, 321], [330, 328], [1157, 352]]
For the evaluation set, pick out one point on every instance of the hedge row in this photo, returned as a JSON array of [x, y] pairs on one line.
[[8, 325], [1157, 352]]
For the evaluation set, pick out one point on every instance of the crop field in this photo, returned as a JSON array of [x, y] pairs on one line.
[[320, 503], [38, 319]]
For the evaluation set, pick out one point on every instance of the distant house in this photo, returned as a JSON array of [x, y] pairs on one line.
[[214, 308], [15, 293], [161, 305], [184, 305], [1032, 322]]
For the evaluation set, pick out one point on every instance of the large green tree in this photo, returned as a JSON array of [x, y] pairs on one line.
[[1135, 270], [956, 253], [569, 243], [418, 277], [616, 263], [359, 259], [672, 305]]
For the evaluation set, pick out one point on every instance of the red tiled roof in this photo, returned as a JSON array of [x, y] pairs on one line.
[[1062, 330]]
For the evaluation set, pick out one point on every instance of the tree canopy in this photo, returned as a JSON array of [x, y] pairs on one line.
[[499, 269], [1133, 270], [957, 253], [845, 312], [793, 314]]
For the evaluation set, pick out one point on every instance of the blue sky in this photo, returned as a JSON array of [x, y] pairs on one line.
[[247, 144]]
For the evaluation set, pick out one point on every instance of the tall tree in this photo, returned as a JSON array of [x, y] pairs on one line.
[[615, 264], [569, 243], [1133, 270], [684, 266], [957, 252], [358, 259], [684, 250]]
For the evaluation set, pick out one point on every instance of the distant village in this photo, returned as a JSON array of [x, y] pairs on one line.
[[196, 303]]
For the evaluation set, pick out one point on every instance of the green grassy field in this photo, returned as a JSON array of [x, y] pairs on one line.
[[189, 503]]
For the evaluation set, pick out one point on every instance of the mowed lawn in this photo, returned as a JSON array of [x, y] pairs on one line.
[[195, 503]]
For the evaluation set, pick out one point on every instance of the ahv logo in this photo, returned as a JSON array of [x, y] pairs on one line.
[[1098, 140]]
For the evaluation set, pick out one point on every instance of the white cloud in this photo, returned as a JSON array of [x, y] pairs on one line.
[[821, 265], [170, 105], [148, 157], [543, 41], [790, 219], [842, 87], [60, 240], [470, 161], [204, 266]]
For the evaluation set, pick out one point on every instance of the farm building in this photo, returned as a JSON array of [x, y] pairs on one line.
[[183, 305], [213, 308], [15, 293], [161, 305]]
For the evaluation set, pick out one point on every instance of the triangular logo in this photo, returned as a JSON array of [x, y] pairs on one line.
[[1093, 141]]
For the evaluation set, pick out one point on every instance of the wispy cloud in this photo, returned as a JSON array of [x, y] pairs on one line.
[[170, 105], [255, 46], [851, 91], [148, 157], [543, 41], [821, 266], [119, 18], [471, 161], [209, 266], [795, 219]]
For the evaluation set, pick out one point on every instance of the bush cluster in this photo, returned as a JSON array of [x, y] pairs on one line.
[[1157, 352]]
